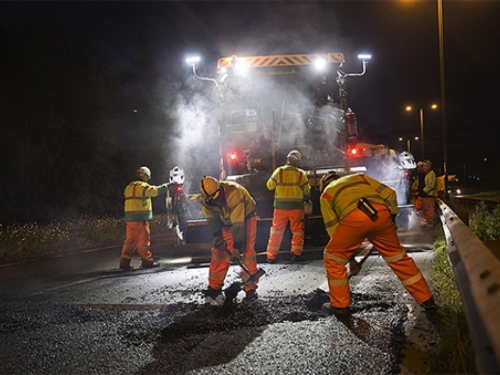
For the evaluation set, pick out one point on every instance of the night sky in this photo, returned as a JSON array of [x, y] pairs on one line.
[[402, 37]]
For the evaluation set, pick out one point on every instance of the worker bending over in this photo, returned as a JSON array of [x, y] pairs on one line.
[[356, 207], [230, 212]]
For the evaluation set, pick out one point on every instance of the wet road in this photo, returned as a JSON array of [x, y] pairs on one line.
[[79, 314]]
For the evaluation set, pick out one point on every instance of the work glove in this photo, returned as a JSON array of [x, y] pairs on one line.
[[235, 254], [219, 243]]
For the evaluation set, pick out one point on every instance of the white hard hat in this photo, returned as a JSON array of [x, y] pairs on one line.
[[144, 173], [177, 175], [407, 161], [293, 156]]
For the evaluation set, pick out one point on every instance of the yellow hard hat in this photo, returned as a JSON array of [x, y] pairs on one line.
[[326, 179], [209, 188]]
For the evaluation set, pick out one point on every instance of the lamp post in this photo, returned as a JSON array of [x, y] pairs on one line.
[[421, 113], [443, 96]]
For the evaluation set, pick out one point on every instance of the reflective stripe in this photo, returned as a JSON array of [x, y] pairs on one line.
[[248, 258], [337, 282], [298, 233], [279, 232], [396, 257], [327, 255], [219, 255], [269, 247], [217, 276], [331, 223], [412, 280]]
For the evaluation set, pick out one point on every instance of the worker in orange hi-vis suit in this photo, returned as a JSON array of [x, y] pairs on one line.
[[230, 212], [291, 188], [356, 207], [138, 212]]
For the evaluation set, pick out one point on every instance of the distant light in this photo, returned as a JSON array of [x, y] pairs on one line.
[[320, 64], [193, 59], [358, 169], [408, 108], [364, 56], [434, 106], [135, 110]]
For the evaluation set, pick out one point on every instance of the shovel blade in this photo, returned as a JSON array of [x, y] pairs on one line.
[[255, 277]]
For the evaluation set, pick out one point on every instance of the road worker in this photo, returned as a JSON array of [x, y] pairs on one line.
[[291, 189], [427, 192], [414, 189], [230, 211], [355, 207], [138, 212]]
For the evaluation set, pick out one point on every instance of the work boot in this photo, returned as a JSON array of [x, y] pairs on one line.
[[125, 264], [338, 311], [271, 261], [214, 296], [149, 263], [251, 295], [299, 258], [429, 305]]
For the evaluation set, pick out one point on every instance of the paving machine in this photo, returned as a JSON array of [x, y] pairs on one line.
[[271, 104]]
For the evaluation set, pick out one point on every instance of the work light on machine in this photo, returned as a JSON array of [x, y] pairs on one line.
[[193, 60], [320, 64]]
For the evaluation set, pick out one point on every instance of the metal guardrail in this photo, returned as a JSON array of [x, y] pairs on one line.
[[477, 272]]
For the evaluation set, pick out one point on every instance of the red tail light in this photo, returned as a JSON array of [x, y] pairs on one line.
[[179, 189], [233, 156], [353, 152]]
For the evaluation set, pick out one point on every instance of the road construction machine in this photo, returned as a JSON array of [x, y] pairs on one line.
[[271, 104]]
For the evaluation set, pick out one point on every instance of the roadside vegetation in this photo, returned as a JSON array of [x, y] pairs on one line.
[[20, 241], [455, 353]]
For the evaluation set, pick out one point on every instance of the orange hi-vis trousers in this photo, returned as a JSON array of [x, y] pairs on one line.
[[221, 259], [428, 209], [281, 218], [348, 236], [137, 236]]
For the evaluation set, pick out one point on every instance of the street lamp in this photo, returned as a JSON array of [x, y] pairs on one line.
[[408, 142], [409, 108]]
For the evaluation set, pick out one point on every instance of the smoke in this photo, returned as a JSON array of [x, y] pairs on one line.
[[196, 140]]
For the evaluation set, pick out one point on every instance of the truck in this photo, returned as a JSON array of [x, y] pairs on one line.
[[271, 104]]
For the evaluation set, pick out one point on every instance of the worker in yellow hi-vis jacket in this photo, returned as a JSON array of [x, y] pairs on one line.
[[291, 188], [356, 207], [230, 212], [138, 212]]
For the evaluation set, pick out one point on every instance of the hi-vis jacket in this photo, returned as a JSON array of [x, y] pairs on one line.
[[238, 206], [341, 197], [291, 187], [138, 195]]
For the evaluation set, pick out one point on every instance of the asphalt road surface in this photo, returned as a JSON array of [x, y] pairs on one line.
[[79, 314]]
